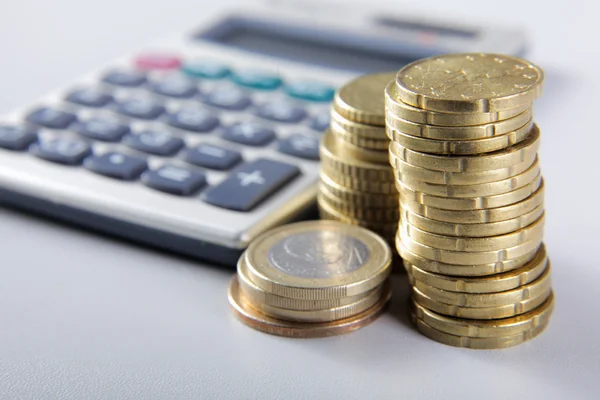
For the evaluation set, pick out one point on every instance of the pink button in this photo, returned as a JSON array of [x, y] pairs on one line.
[[157, 61]]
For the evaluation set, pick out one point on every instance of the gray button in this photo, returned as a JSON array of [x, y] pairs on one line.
[[16, 137], [160, 143], [213, 157], [281, 111], [302, 146], [89, 98], [51, 118], [194, 119], [105, 129], [249, 133], [127, 78], [117, 165], [61, 150], [175, 86], [142, 108], [229, 98], [250, 184], [175, 180]]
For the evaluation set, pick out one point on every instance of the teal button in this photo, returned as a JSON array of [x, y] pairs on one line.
[[311, 91], [205, 69], [256, 79]]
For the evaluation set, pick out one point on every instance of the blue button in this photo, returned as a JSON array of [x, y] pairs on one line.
[[142, 108], [300, 146], [320, 122], [89, 98], [175, 180], [205, 69], [193, 119], [51, 118], [117, 165], [281, 111], [175, 86], [160, 143], [16, 137], [229, 98], [127, 78], [251, 184], [213, 157], [256, 79], [311, 91], [107, 130], [61, 150], [249, 133]]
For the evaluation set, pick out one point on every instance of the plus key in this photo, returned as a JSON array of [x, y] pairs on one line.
[[250, 184]]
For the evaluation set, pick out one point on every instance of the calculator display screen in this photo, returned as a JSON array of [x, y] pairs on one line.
[[302, 45]]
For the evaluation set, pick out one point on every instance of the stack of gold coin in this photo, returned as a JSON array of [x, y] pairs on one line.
[[357, 181], [312, 279], [464, 149]]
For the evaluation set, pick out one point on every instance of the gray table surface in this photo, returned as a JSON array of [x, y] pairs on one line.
[[84, 316]]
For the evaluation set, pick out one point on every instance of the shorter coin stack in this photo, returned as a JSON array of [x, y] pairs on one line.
[[464, 149], [357, 181], [312, 279]]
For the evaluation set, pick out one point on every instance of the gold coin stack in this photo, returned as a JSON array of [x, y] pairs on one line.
[[357, 181], [312, 279], [464, 149]]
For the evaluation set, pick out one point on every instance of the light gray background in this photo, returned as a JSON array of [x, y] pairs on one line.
[[83, 316]]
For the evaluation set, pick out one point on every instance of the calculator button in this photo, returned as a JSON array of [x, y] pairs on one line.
[[193, 119], [300, 146], [281, 112], [320, 122], [213, 157], [175, 86], [157, 61], [249, 133], [311, 91], [205, 69], [89, 98], [107, 130], [125, 78], [141, 108], [251, 184], [257, 79], [61, 150], [16, 137], [116, 165], [51, 118], [155, 142], [175, 180], [229, 98]]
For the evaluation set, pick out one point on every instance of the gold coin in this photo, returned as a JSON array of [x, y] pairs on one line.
[[478, 300], [386, 230], [499, 312], [360, 185], [472, 230], [466, 257], [360, 199], [477, 216], [360, 141], [532, 232], [256, 295], [324, 315], [504, 158], [470, 203], [479, 343], [476, 190], [259, 321], [474, 82], [349, 150], [460, 147], [486, 284], [318, 260], [421, 116], [459, 132], [462, 270], [406, 171], [362, 99], [486, 329], [375, 132], [373, 215], [332, 159]]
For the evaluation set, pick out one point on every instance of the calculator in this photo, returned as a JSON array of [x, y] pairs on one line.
[[204, 140]]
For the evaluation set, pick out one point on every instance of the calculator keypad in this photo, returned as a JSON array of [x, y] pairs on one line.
[[141, 123]]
